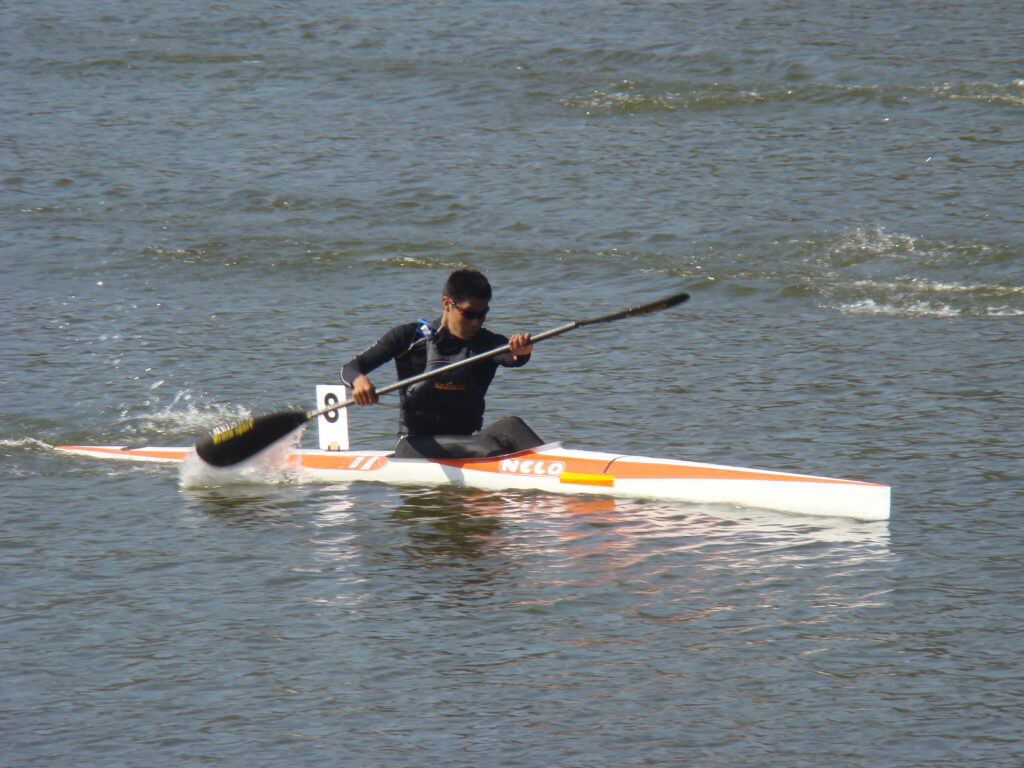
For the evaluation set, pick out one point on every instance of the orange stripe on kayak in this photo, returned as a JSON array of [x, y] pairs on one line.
[[171, 454], [624, 469]]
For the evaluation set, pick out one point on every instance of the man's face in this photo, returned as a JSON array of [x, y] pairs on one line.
[[464, 318]]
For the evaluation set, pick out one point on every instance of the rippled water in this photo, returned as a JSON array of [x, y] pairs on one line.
[[208, 207]]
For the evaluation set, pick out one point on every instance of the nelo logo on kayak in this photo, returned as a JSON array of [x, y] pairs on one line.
[[532, 467]]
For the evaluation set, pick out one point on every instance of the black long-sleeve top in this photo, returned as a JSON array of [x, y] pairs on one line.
[[405, 344]]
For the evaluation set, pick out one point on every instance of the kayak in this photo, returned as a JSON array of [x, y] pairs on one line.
[[549, 468], [552, 468]]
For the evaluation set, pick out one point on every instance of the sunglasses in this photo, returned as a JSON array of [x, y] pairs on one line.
[[470, 314]]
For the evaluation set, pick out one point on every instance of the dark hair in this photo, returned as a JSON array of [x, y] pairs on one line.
[[465, 284]]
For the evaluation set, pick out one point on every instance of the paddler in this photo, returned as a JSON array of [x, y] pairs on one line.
[[442, 417]]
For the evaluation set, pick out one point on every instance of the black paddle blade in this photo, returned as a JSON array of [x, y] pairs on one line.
[[657, 306], [643, 309], [234, 444]]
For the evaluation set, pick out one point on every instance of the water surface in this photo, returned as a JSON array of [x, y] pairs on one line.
[[208, 208]]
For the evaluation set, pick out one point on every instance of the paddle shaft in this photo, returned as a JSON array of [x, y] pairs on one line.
[[644, 309]]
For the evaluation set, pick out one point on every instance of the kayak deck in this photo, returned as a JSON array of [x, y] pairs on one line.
[[552, 468]]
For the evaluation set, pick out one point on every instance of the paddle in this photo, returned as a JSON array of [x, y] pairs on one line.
[[238, 442]]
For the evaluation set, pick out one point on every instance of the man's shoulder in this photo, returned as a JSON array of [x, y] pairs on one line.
[[404, 331], [395, 339]]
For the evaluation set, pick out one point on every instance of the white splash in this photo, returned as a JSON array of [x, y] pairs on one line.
[[271, 466], [183, 415]]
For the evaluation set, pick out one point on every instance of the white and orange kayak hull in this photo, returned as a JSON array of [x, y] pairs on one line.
[[554, 469]]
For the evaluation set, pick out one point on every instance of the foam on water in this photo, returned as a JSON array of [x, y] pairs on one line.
[[915, 297], [865, 270], [629, 97], [911, 309], [916, 284], [874, 271], [29, 443], [1008, 94]]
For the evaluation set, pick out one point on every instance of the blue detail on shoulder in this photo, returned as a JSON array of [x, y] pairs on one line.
[[426, 330]]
